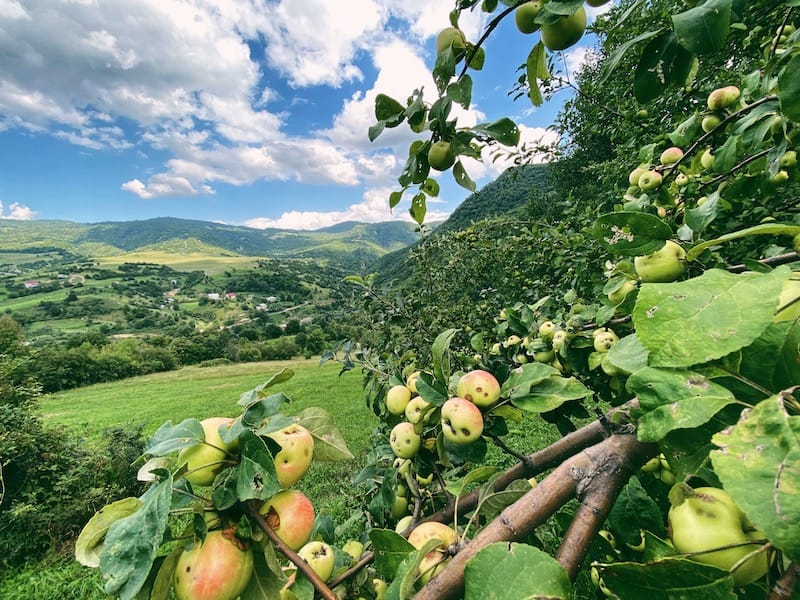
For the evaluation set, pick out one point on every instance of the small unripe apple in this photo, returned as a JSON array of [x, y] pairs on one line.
[[604, 341], [380, 587], [634, 176], [404, 440], [671, 155], [525, 16], [462, 421], [450, 36], [565, 32], [619, 294], [789, 159], [479, 387], [290, 514], [681, 179], [650, 180], [512, 340], [219, 568], [723, 97], [433, 561], [780, 177], [559, 340], [662, 266], [547, 329], [709, 122], [296, 454], [404, 523], [397, 398], [411, 382], [320, 557], [206, 459], [400, 507], [354, 548], [440, 156], [707, 158]]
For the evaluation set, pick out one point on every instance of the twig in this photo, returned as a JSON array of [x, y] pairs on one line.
[[778, 34], [302, 566], [735, 168], [780, 259], [785, 586]]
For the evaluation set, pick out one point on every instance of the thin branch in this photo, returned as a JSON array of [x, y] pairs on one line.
[[785, 587], [735, 168], [321, 587], [772, 261], [778, 34]]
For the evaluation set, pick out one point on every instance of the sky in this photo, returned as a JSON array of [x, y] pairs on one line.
[[246, 112]]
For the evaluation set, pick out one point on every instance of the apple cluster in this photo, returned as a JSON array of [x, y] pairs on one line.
[[556, 34]]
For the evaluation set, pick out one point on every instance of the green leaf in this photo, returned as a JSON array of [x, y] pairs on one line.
[[256, 476], [536, 69], [633, 511], [90, 541], [522, 378], [430, 187], [256, 394], [695, 321], [440, 355], [462, 178], [375, 130], [132, 543], [170, 438], [162, 585], [266, 408], [389, 549], [504, 130], [685, 133], [675, 400], [789, 89], [663, 62], [551, 393], [611, 63], [763, 229], [418, 208], [492, 503], [329, 445], [701, 217], [394, 198], [387, 108], [477, 475], [704, 28], [771, 360], [631, 233], [668, 579], [460, 91], [727, 155], [444, 69], [758, 462], [264, 583], [628, 354], [513, 571]]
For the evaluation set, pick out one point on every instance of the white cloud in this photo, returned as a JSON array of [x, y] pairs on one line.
[[17, 211], [374, 208]]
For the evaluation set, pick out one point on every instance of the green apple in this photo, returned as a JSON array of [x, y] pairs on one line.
[[711, 121], [565, 32], [320, 557], [559, 340], [206, 459], [400, 507], [604, 341], [723, 97], [418, 409], [789, 159], [619, 294], [290, 514], [434, 560], [397, 398], [219, 568], [706, 518], [354, 548], [440, 156], [296, 454], [681, 180], [380, 587], [789, 301], [662, 266], [411, 382], [780, 177], [479, 387], [633, 178], [671, 155], [404, 440], [525, 16], [404, 523], [547, 329], [649, 180], [707, 158], [450, 37], [462, 421]]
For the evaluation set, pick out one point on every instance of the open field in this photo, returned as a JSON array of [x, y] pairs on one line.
[[191, 261]]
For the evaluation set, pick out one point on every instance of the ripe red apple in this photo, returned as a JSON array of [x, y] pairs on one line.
[[297, 451], [217, 569], [206, 459], [462, 421], [479, 387], [291, 515]]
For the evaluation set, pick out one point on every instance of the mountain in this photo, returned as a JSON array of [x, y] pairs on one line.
[[349, 245]]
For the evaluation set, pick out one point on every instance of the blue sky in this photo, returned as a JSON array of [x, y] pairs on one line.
[[248, 112]]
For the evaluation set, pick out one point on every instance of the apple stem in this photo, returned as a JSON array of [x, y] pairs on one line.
[[321, 587]]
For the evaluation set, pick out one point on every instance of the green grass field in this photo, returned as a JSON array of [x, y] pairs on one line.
[[211, 264]]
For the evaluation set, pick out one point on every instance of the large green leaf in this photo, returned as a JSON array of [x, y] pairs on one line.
[[551, 393], [631, 233], [771, 361], [90, 541], [256, 476], [663, 62], [674, 400], [522, 378], [329, 445], [254, 395], [512, 571], [704, 28], [758, 462], [628, 354], [440, 354], [705, 318], [264, 583], [504, 130], [170, 438], [789, 89], [387, 108], [389, 549], [633, 511], [668, 579], [132, 543], [536, 68]]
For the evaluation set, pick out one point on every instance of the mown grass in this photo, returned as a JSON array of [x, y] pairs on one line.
[[211, 264]]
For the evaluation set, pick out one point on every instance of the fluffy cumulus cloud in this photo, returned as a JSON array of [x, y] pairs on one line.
[[15, 210]]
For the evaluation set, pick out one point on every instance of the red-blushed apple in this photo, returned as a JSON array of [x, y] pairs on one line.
[[297, 451], [462, 421], [320, 557], [479, 387], [218, 569], [206, 459], [434, 560], [396, 399], [723, 97], [404, 440], [671, 155], [663, 265], [291, 515], [650, 180]]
